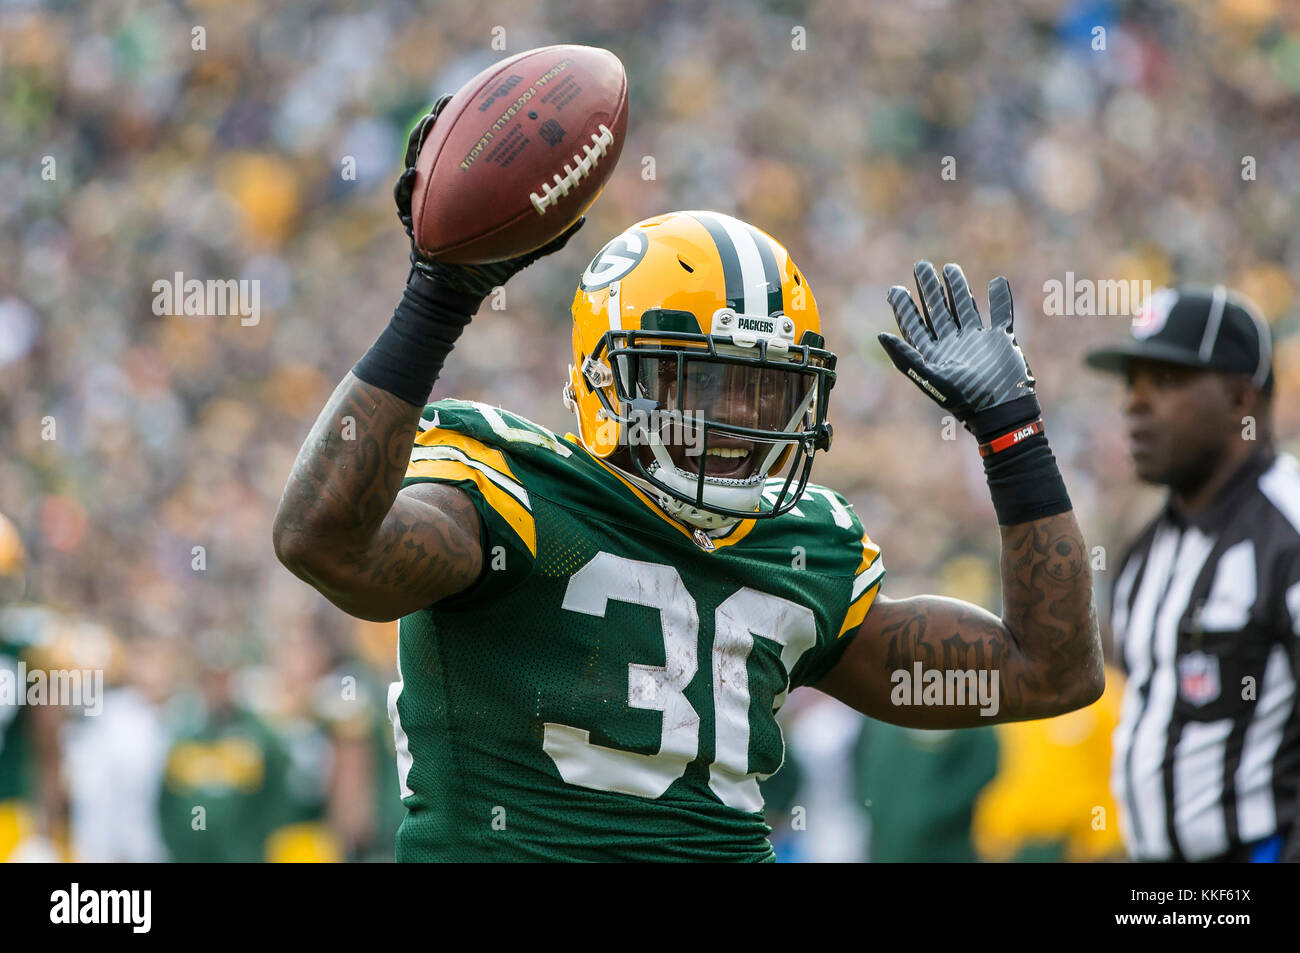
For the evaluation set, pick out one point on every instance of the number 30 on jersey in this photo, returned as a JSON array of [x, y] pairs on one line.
[[662, 688]]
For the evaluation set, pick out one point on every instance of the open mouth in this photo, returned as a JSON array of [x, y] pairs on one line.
[[724, 462]]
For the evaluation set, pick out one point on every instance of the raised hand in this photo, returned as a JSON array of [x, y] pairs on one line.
[[960, 364], [477, 280]]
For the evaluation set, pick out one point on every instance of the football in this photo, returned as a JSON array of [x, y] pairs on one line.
[[519, 154]]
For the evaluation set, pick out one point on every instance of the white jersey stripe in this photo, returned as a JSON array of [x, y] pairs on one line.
[[1281, 484], [400, 741], [1256, 813], [1137, 658], [1199, 760], [1142, 737], [1233, 591], [1119, 604], [868, 578], [1151, 739]]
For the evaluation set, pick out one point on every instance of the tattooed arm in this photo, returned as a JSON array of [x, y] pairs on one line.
[[1043, 657], [344, 527], [344, 523], [1045, 650]]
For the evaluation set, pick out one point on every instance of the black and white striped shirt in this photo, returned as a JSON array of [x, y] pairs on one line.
[[1206, 618]]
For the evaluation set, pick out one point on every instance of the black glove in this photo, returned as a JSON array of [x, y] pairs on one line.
[[476, 280], [976, 373]]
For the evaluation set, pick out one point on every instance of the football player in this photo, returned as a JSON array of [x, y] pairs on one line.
[[33, 793], [597, 628]]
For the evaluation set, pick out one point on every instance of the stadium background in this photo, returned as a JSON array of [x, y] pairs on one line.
[[174, 432]]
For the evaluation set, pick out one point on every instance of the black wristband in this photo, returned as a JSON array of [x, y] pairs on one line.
[[408, 356], [1025, 482], [1023, 478], [996, 421]]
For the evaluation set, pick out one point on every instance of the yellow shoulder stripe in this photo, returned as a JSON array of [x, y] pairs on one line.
[[870, 552], [504, 503], [858, 610], [474, 449], [866, 583]]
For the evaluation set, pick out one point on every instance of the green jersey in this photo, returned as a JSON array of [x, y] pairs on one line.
[[24, 631], [232, 766], [607, 689], [14, 755]]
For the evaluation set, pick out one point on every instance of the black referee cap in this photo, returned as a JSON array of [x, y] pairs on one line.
[[1215, 329]]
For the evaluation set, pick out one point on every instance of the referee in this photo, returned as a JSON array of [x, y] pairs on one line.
[[1205, 612]]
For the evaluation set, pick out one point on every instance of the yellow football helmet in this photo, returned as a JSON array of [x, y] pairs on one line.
[[699, 368]]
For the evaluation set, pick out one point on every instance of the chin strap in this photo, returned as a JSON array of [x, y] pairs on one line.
[[700, 520], [684, 513]]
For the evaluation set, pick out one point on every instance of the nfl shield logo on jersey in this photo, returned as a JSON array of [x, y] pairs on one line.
[[1198, 678]]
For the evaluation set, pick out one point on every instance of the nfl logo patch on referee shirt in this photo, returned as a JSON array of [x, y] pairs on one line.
[[1198, 678]]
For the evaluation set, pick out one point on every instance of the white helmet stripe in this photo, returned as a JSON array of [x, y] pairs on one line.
[[753, 277]]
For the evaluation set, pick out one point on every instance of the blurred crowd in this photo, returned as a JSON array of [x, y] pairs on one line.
[[142, 455]]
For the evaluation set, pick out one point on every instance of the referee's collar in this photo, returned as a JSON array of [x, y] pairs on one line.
[[1238, 487]]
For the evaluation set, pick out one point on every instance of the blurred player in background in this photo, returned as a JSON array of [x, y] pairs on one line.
[[1050, 800], [115, 761], [330, 715], [225, 780], [33, 799], [919, 788]]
